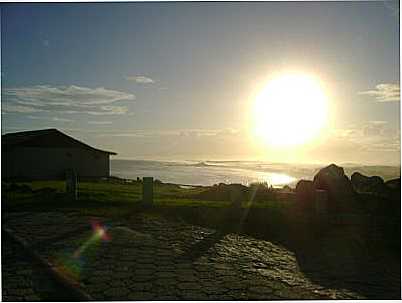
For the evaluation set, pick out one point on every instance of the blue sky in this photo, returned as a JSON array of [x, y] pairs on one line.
[[174, 80]]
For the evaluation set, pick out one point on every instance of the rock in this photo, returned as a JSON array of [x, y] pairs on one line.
[[236, 195], [364, 184], [341, 194], [287, 188], [376, 186], [321, 202], [394, 184], [305, 194], [261, 290]]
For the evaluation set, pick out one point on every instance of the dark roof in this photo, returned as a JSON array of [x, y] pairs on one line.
[[45, 138]]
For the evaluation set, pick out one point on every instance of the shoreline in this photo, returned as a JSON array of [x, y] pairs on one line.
[[190, 186], [208, 173]]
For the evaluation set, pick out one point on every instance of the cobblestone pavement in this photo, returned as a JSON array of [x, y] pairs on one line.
[[148, 257], [17, 276], [24, 280]]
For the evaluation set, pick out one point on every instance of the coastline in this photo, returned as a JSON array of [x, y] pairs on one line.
[[208, 173]]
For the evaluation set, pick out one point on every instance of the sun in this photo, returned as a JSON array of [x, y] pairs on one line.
[[290, 110]]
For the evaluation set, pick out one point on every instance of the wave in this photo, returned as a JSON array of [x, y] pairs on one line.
[[200, 164]]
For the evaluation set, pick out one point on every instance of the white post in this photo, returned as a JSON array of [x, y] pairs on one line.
[[71, 184], [148, 190]]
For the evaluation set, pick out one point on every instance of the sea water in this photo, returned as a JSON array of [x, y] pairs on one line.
[[244, 172], [210, 172]]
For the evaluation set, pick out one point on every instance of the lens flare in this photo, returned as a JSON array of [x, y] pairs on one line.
[[99, 234], [70, 264]]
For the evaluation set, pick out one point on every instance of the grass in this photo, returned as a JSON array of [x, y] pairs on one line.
[[119, 192], [106, 197], [117, 199]]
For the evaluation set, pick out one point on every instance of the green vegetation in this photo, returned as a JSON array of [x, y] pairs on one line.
[[98, 197], [117, 197]]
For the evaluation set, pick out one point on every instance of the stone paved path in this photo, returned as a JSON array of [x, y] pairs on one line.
[[17, 276], [148, 257], [25, 280]]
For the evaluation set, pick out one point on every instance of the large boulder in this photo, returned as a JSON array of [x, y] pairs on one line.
[[341, 194], [305, 194], [394, 184], [364, 184], [376, 186], [394, 189]]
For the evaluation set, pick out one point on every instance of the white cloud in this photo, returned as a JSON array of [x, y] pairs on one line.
[[65, 99], [109, 110], [393, 6], [384, 92], [190, 132], [100, 122], [140, 79], [55, 119], [12, 108], [136, 135], [370, 136], [378, 122]]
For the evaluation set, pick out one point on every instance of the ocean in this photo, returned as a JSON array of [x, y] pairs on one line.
[[244, 172]]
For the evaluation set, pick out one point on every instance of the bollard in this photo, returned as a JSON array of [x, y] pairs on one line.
[[321, 202], [71, 184], [148, 190], [235, 196]]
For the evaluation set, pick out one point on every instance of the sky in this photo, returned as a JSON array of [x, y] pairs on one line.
[[177, 80]]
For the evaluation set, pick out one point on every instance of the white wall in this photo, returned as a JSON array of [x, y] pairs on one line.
[[40, 163]]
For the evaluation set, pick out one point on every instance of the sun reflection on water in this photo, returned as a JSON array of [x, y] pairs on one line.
[[275, 179]]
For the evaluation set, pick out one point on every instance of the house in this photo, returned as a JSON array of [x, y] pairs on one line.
[[48, 154]]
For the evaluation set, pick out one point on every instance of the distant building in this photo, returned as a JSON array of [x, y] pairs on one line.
[[48, 154]]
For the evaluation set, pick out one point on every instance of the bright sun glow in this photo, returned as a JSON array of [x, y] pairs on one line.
[[290, 110]]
